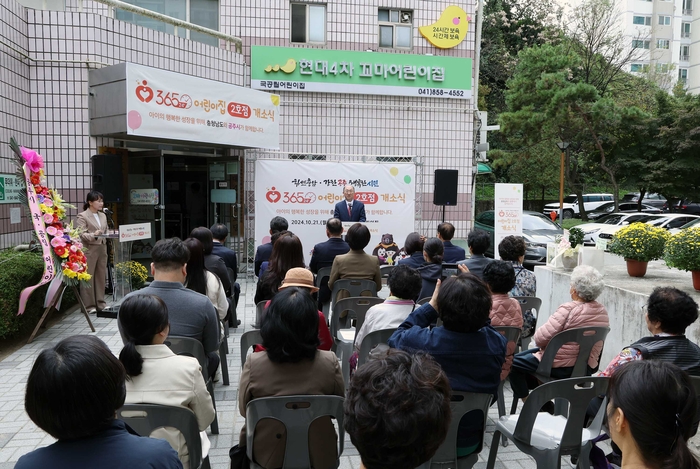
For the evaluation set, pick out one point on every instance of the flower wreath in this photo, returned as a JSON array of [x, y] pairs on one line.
[[60, 243]]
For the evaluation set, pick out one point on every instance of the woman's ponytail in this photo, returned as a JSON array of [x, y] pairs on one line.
[[131, 359], [141, 317]]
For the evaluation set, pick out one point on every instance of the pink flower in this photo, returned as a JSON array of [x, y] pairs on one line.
[[51, 230], [58, 241], [34, 160], [73, 248], [48, 218], [48, 202]]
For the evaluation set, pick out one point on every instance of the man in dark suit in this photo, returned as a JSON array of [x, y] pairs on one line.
[[478, 242], [264, 251], [324, 254], [446, 232], [219, 232], [350, 209]]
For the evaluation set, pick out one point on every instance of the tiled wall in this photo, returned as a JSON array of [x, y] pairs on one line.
[[57, 123]]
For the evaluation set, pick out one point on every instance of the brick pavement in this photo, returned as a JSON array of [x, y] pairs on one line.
[[18, 435]]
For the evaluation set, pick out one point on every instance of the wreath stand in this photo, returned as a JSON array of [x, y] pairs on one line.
[[52, 305]]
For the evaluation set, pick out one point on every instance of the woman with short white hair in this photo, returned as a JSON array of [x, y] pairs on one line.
[[582, 311]]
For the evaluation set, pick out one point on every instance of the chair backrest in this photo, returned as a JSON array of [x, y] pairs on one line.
[[354, 287], [248, 339], [385, 270], [231, 274], [695, 380], [511, 333], [296, 413], [578, 392], [370, 341], [356, 307], [528, 303], [322, 272], [191, 348], [144, 418], [461, 403], [585, 337], [423, 301], [259, 309]]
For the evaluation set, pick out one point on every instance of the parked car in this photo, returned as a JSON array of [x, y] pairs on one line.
[[623, 207], [570, 207], [666, 220], [650, 198], [693, 224], [684, 206], [538, 230], [592, 230]]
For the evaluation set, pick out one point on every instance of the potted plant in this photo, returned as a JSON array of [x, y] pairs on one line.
[[569, 247], [638, 244], [133, 273], [683, 252]]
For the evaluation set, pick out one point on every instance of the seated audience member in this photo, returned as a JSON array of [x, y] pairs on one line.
[[430, 272], [478, 242], [512, 249], [219, 232], [669, 312], [73, 392], [291, 365], [463, 303], [356, 264], [202, 281], [273, 240], [388, 430], [213, 263], [155, 375], [505, 311], [652, 408], [191, 314], [264, 251], [302, 278], [325, 253], [404, 286], [414, 250], [582, 311], [445, 233], [287, 253]]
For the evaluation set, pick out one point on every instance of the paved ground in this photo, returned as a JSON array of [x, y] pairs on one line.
[[18, 435]]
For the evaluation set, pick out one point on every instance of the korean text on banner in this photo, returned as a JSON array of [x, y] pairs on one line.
[[339, 71], [508, 212], [171, 105], [305, 193]]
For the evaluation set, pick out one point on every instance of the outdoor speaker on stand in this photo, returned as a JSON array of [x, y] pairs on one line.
[[445, 192]]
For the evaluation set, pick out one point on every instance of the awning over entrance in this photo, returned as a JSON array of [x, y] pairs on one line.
[[483, 168], [144, 103]]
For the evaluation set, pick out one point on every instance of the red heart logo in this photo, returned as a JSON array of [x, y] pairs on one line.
[[273, 196], [144, 93]]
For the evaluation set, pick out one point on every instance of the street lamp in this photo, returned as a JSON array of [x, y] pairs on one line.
[[562, 146]]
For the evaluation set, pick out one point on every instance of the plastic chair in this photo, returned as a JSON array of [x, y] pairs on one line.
[[370, 341], [696, 384], [357, 309], [223, 353], [354, 287], [461, 404], [585, 337], [324, 272], [512, 335], [150, 417], [232, 318], [385, 270], [548, 437], [296, 413], [528, 303], [259, 309], [194, 348], [248, 340], [423, 301]]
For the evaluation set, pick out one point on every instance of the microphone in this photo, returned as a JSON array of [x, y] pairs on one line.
[[107, 211]]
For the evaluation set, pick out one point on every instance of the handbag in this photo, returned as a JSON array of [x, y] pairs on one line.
[[239, 459]]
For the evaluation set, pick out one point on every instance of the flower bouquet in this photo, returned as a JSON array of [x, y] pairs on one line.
[[62, 249], [638, 244]]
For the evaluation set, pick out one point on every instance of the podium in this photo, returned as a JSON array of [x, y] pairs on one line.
[[121, 285]]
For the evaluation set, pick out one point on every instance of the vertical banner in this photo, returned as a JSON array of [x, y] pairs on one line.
[[305, 193], [508, 212]]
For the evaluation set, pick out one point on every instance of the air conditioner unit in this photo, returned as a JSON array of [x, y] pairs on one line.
[[407, 17]]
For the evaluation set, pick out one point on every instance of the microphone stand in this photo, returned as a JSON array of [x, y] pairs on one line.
[[110, 256]]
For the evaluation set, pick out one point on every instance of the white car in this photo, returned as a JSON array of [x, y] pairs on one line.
[[668, 221], [693, 224], [591, 230], [570, 207]]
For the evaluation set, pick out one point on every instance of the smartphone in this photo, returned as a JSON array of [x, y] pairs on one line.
[[448, 270]]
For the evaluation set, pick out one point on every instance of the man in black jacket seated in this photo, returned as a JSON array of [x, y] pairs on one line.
[[324, 254]]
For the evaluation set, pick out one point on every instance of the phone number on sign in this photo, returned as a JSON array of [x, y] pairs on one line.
[[440, 92]]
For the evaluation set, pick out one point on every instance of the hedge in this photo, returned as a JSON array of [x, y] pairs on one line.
[[17, 271]]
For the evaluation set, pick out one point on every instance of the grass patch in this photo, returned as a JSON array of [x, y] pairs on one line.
[[571, 222]]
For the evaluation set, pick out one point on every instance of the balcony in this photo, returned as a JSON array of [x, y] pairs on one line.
[[685, 34], [688, 11], [685, 58]]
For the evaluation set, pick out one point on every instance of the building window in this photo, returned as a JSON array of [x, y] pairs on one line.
[[308, 23], [639, 44], [683, 75], [395, 28], [663, 68], [685, 53], [202, 12], [685, 30], [687, 7], [663, 44], [664, 20], [642, 20], [635, 68]]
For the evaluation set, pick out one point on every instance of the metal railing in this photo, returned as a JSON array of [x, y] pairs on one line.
[[688, 11], [685, 58]]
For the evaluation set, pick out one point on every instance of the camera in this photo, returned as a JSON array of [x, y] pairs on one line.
[[448, 270]]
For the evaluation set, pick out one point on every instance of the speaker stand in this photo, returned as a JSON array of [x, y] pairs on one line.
[[443, 214]]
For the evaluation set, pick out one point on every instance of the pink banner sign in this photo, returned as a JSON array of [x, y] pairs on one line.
[[40, 230]]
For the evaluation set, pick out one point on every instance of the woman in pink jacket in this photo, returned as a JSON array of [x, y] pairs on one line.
[[583, 311]]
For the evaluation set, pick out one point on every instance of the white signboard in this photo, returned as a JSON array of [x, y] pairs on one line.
[[171, 105], [508, 212], [305, 193], [134, 232], [143, 196]]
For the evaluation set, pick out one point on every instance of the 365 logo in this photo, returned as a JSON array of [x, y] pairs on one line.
[[144, 92], [273, 195]]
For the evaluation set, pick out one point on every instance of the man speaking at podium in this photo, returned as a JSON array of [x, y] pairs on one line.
[[349, 209]]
